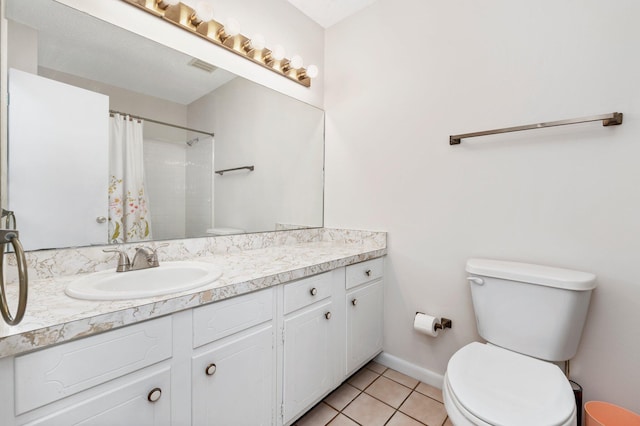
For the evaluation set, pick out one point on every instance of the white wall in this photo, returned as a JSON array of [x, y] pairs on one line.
[[165, 179], [199, 191], [281, 138], [403, 75]]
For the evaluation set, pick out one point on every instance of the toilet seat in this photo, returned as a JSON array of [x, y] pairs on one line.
[[489, 385]]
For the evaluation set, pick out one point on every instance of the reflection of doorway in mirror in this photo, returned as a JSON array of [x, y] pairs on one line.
[[179, 176]]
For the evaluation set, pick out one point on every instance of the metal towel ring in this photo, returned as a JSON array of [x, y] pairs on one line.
[[11, 236]]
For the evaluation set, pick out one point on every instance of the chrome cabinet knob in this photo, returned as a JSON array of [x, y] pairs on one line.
[[154, 395], [368, 272], [210, 370], [354, 302], [101, 219], [313, 291], [327, 315]]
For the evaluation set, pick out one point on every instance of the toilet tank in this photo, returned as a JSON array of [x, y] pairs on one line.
[[531, 309]]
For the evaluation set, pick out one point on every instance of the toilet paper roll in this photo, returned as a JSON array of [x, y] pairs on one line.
[[426, 324]]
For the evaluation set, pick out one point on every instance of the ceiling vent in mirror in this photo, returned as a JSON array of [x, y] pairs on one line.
[[199, 21], [204, 66]]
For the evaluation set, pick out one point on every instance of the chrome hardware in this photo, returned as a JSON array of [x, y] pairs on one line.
[[145, 257], [101, 219], [10, 222], [222, 172], [313, 291], [210, 370], [11, 236], [327, 315], [123, 260], [444, 323], [154, 395], [612, 119], [475, 280], [354, 302], [368, 272]]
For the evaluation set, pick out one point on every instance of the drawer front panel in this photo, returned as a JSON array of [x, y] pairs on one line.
[[51, 374], [230, 316], [363, 272], [306, 291]]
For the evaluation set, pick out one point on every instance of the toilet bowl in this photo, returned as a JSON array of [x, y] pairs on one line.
[[223, 231], [489, 385], [530, 316]]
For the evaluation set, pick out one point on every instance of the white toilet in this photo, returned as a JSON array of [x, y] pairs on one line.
[[529, 315], [218, 232]]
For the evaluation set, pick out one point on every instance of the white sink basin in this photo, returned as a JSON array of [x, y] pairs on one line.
[[169, 277]]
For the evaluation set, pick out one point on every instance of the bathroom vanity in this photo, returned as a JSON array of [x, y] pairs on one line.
[[284, 326]]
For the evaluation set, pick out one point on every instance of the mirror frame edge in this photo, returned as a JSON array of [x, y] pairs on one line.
[[4, 104]]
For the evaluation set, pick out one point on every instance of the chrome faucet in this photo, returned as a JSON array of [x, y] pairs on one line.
[[145, 257]]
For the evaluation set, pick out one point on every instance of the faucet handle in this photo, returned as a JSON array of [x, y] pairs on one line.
[[123, 260], [155, 253]]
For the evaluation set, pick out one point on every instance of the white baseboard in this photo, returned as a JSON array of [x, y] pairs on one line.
[[415, 371]]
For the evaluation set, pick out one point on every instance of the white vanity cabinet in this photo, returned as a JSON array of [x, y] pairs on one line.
[[119, 377], [233, 377], [312, 335], [261, 358], [364, 304]]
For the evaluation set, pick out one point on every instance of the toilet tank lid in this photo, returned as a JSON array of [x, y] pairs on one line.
[[535, 274]]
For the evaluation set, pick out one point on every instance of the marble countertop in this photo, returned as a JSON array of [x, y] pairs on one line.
[[52, 317]]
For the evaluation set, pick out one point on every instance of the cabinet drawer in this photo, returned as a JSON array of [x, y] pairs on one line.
[[123, 403], [221, 319], [306, 291], [55, 373], [363, 272]]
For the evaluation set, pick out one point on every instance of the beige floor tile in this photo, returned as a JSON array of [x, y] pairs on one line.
[[403, 379], [400, 419], [319, 415], [342, 396], [424, 409], [388, 391], [374, 366], [430, 391], [363, 378], [367, 410], [448, 422], [342, 420]]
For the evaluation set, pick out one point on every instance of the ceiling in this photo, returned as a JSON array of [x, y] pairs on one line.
[[330, 12], [75, 43]]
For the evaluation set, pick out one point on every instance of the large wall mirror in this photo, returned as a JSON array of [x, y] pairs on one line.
[[115, 138]]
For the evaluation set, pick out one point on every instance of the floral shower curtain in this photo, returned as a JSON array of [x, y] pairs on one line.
[[129, 217]]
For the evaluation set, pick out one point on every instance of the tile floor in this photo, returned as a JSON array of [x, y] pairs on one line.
[[377, 395]]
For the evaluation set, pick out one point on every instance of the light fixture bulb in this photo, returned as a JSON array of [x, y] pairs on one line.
[[278, 52], [296, 62], [204, 11], [312, 71], [232, 27], [258, 42]]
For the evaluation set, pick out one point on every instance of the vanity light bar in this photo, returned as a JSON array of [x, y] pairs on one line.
[[186, 18]]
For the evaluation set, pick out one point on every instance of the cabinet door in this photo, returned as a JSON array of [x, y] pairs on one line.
[[47, 155], [364, 324], [310, 357], [126, 402], [233, 380]]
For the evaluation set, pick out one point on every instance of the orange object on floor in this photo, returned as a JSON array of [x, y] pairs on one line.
[[601, 413]]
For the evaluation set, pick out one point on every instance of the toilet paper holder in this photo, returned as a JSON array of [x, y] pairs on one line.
[[444, 322]]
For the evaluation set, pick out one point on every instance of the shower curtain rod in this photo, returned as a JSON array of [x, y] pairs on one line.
[[150, 120]]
